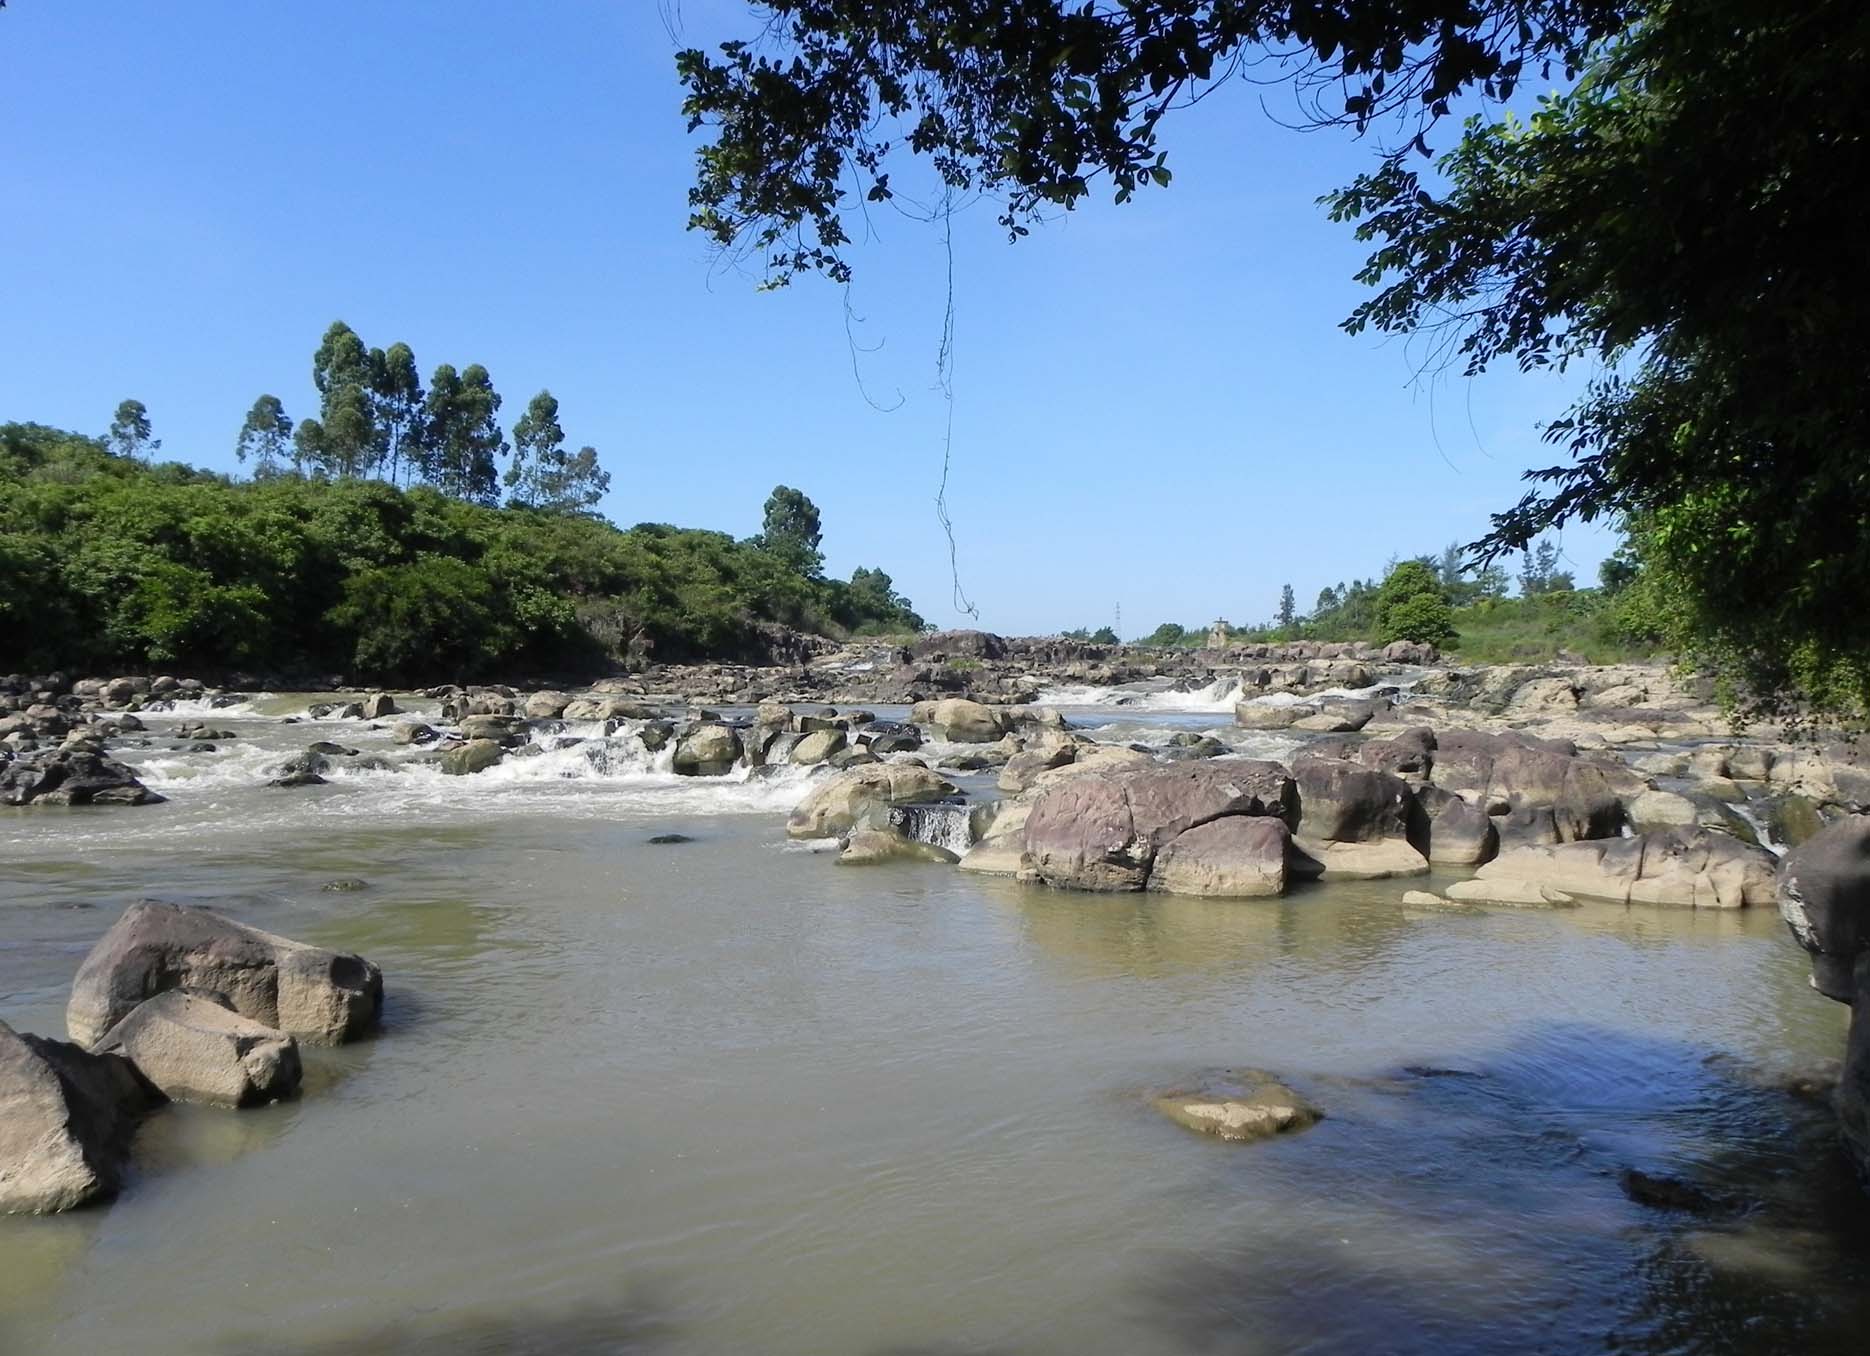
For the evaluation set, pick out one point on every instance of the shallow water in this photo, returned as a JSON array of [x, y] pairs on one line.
[[726, 1096]]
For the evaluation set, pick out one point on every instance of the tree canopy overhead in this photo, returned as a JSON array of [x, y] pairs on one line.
[[1683, 215], [1033, 100]]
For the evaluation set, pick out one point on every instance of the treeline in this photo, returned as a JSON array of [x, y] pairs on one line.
[[110, 562], [1446, 601]]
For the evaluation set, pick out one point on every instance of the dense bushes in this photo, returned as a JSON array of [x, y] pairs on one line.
[[109, 563]]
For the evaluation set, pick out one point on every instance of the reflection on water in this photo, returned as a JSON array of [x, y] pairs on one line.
[[728, 1097]]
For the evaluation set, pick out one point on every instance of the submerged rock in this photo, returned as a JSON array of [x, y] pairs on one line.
[[322, 997], [195, 1049], [865, 847], [66, 1118], [1239, 1105]]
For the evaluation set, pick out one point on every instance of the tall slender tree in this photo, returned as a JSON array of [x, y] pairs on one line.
[[352, 443], [129, 431], [397, 395], [1288, 606], [266, 436]]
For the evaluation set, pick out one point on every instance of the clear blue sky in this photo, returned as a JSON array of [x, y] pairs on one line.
[[1154, 405]]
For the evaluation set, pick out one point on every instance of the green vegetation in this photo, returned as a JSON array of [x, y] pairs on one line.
[[107, 563], [1465, 611], [1104, 635]]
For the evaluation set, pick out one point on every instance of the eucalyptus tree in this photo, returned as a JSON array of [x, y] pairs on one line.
[[265, 436], [462, 441], [540, 474]]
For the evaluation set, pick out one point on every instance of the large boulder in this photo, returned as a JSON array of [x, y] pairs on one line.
[[817, 747], [1459, 834], [841, 801], [66, 1118], [198, 1050], [1241, 856], [477, 755], [546, 705], [1102, 832], [707, 750], [322, 997], [378, 705], [1517, 772], [960, 721], [1691, 867], [1341, 802], [1824, 896], [71, 776]]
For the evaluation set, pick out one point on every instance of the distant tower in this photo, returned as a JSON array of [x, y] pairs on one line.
[[1217, 635], [1118, 628]]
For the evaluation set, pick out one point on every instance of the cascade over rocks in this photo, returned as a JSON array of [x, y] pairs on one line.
[[322, 997], [844, 799], [66, 1118]]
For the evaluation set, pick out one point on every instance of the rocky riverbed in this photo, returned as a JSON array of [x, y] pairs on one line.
[[1338, 903]]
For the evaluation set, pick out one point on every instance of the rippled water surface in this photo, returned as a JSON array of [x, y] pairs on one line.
[[726, 1096]]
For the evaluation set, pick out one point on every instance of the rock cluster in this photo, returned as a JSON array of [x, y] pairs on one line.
[[171, 1004]]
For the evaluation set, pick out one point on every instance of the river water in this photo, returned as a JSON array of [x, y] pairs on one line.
[[727, 1096]]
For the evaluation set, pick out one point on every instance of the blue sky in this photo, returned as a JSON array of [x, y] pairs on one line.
[[1154, 407]]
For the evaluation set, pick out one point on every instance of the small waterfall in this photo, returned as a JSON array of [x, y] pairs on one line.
[[946, 824]]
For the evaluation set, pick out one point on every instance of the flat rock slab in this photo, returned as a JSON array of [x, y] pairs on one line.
[[1240, 1105]]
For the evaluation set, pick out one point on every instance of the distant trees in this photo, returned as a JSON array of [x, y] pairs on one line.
[[266, 437], [129, 431], [1166, 635], [1539, 572], [1288, 606]]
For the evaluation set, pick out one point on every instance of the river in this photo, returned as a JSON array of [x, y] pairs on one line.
[[726, 1096]]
